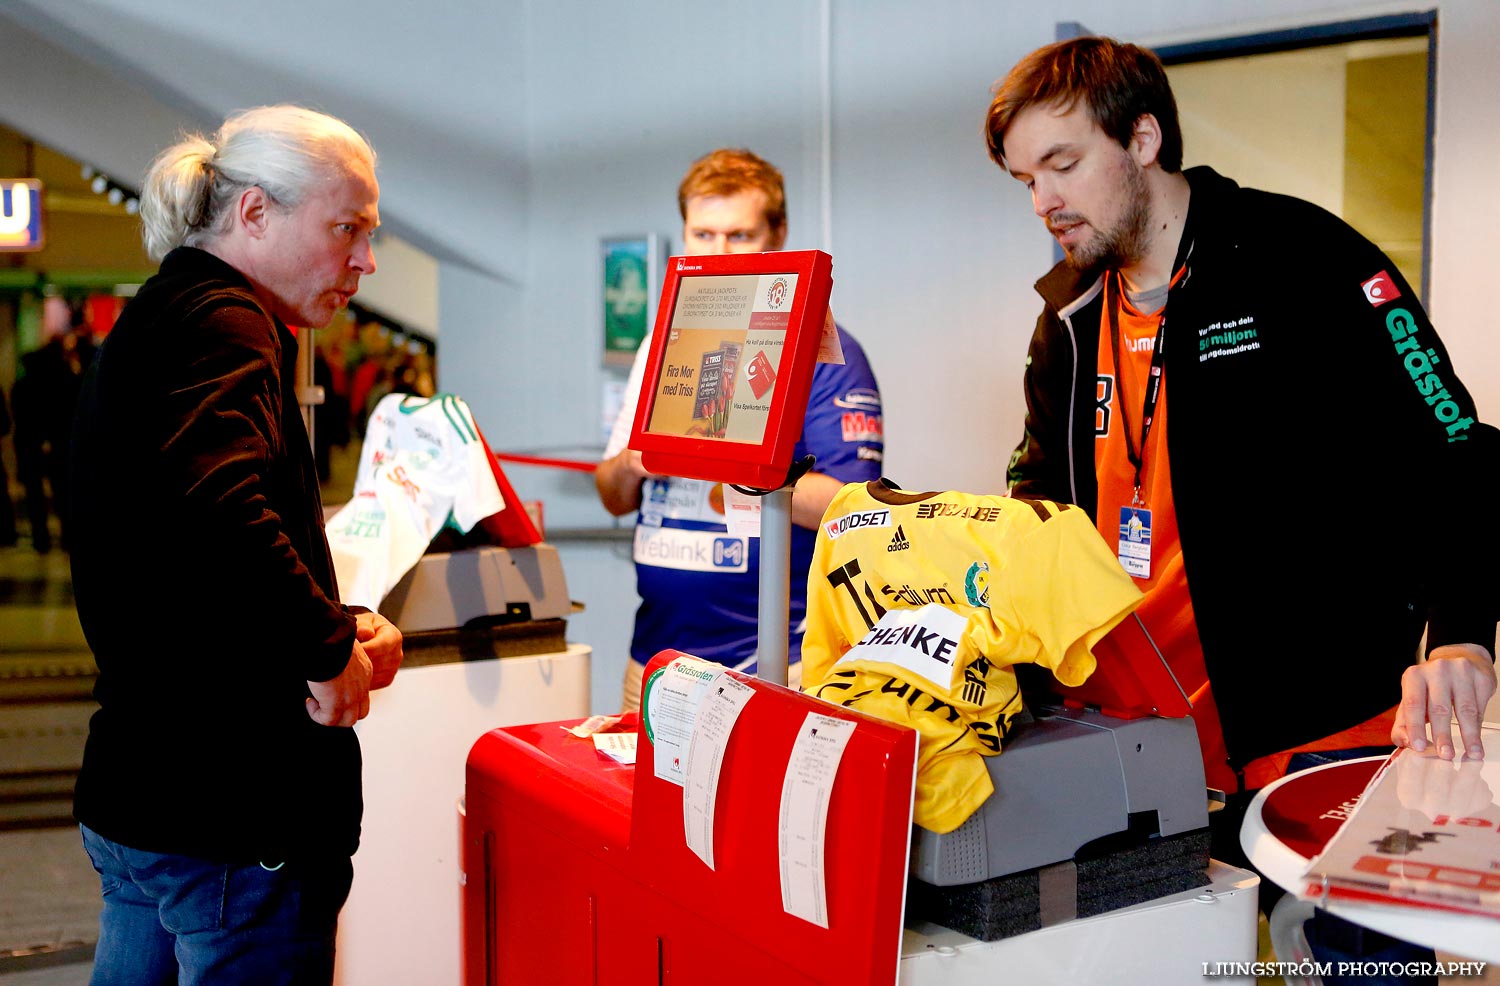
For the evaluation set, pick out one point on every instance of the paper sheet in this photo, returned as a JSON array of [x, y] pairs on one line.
[[717, 714], [741, 513], [670, 708], [802, 835], [619, 747]]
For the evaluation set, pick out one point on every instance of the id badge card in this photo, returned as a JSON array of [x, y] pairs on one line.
[[1135, 541]]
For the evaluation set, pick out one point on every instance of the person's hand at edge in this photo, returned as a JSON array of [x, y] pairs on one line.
[[382, 643], [345, 699], [1455, 680]]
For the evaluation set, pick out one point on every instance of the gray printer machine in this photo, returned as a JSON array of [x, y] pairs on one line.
[[497, 591], [1099, 803]]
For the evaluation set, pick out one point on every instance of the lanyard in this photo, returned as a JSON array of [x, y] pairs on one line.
[[1153, 380]]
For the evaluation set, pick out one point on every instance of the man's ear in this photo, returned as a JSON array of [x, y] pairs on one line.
[[1145, 140], [252, 211]]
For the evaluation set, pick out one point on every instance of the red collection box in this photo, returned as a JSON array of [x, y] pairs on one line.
[[577, 870]]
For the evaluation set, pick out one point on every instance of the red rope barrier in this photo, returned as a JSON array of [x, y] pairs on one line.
[[536, 460]]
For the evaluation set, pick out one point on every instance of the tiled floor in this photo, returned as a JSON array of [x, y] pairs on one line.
[[49, 895], [51, 902]]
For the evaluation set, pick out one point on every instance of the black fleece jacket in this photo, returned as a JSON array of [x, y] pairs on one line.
[[1334, 489], [204, 583]]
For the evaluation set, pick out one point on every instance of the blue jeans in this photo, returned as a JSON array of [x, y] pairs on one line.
[[180, 920]]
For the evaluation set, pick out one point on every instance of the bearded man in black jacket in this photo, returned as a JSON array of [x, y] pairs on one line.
[[1310, 402]]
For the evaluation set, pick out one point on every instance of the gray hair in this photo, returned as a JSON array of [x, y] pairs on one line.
[[192, 186]]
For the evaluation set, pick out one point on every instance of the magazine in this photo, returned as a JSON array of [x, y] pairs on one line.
[[1425, 833]]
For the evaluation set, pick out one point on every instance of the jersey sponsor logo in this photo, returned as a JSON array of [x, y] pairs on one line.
[[366, 520], [923, 641], [931, 511], [840, 526], [678, 499], [918, 597], [729, 553], [898, 541], [405, 483], [859, 397], [977, 584], [859, 426], [1145, 344], [974, 690], [988, 734], [872, 454], [1380, 289], [690, 551], [1419, 363], [844, 576]]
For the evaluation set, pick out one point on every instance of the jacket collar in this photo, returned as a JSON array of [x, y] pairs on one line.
[[200, 263]]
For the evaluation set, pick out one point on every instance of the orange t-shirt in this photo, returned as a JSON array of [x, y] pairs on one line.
[[1167, 611]]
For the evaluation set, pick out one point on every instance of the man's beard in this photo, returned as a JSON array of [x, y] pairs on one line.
[[1125, 242]]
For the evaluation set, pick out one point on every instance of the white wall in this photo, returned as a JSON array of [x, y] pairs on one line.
[[620, 97]]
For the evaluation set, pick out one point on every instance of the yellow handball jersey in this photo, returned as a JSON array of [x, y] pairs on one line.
[[920, 604]]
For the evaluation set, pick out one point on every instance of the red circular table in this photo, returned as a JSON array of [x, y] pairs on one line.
[[1290, 821]]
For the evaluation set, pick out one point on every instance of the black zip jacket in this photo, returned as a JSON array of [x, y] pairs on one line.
[[204, 584], [1333, 487]]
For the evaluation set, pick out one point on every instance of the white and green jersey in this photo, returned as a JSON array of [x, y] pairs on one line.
[[423, 465]]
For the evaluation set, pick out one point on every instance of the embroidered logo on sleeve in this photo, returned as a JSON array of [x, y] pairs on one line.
[[1380, 289]]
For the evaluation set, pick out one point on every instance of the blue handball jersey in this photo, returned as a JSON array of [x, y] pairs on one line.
[[700, 585]]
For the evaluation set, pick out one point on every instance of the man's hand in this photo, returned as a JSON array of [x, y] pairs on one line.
[[1441, 787], [382, 643], [1456, 679], [344, 700], [618, 480]]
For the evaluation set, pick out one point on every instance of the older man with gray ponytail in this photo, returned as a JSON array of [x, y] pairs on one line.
[[220, 792]]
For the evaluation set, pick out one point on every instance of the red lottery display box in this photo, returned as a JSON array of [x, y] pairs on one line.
[[577, 871], [731, 364]]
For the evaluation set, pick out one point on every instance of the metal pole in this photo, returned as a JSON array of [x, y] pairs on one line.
[[309, 394], [775, 583]]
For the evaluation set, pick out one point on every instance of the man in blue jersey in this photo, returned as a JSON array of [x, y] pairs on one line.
[[694, 598]]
